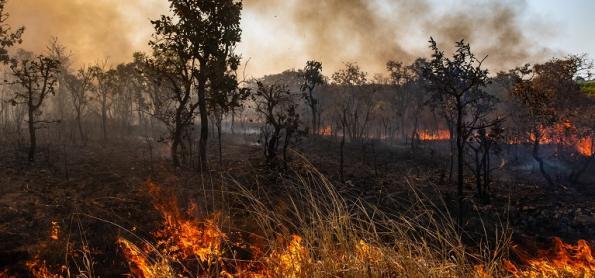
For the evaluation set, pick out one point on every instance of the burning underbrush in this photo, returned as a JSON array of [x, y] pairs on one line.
[[327, 240], [561, 260], [308, 228]]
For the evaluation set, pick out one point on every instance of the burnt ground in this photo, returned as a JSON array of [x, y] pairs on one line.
[[96, 193]]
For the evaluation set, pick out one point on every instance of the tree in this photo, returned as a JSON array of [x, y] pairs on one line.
[[276, 106], [203, 33], [458, 85], [8, 37], [357, 106], [173, 103], [226, 95], [79, 85], [546, 92], [104, 92], [312, 78], [37, 78]]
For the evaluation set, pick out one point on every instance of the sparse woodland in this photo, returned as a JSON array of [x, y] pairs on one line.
[[176, 165]]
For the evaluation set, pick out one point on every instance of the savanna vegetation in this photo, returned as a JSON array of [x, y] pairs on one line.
[[176, 165]]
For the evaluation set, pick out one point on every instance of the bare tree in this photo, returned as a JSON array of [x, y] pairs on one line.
[[79, 85], [103, 93], [36, 77]]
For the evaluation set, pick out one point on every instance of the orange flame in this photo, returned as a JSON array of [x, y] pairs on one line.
[[440, 135], [325, 131], [563, 260], [55, 231], [185, 243], [585, 146], [566, 134], [39, 269]]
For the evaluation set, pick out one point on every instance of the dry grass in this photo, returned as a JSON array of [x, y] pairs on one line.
[[308, 229]]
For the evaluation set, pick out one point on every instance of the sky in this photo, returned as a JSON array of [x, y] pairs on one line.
[[284, 34]]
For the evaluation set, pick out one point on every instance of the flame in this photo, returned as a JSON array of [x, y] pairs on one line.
[[326, 131], [139, 264], [185, 244], [585, 146], [440, 135], [55, 231], [290, 260], [565, 134], [563, 260], [39, 269]]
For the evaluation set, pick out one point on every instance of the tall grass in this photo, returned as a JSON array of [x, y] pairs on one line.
[[355, 239], [307, 228]]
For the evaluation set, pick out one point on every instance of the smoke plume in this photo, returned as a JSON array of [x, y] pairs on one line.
[[281, 34]]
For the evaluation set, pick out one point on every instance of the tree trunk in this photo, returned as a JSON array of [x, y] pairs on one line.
[[220, 143], [460, 162], [478, 177], [174, 150], [32, 136], [104, 119], [540, 160], [80, 127], [204, 120]]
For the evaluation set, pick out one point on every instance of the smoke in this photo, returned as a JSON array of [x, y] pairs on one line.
[[281, 34], [92, 30], [373, 31]]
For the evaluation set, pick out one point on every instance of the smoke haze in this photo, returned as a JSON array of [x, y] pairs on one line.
[[281, 34]]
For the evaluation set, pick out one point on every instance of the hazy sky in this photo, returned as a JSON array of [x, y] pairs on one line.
[[282, 34]]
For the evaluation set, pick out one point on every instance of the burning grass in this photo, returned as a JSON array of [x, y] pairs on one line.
[[310, 231], [562, 260], [305, 227]]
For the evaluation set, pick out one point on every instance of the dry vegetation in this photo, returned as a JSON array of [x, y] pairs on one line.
[[173, 165]]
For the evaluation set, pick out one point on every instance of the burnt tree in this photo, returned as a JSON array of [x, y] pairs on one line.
[[36, 77]]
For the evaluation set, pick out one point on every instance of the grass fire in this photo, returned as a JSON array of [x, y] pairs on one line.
[[261, 138]]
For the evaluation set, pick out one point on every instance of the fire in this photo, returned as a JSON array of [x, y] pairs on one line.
[[563, 260], [193, 247], [290, 260], [39, 269], [585, 146], [440, 135], [566, 134], [326, 131], [55, 230]]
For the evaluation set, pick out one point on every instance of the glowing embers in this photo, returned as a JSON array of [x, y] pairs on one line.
[[439, 135], [562, 260]]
